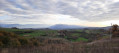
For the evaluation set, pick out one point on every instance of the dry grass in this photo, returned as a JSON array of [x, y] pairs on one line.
[[52, 46]]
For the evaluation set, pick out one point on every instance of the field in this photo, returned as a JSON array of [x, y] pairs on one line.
[[71, 35], [29, 33]]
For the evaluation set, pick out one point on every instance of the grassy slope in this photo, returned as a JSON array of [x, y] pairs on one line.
[[35, 33]]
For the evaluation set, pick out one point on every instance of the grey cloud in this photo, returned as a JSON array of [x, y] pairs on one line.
[[89, 10]]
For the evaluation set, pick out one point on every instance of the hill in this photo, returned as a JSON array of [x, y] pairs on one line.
[[64, 26]]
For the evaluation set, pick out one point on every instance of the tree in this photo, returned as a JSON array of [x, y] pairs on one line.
[[14, 28], [115, 30]]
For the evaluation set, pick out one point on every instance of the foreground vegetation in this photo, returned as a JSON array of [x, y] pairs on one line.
[[59, 41], [9, 39]]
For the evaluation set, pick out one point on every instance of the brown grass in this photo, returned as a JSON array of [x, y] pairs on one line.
[[101, 46]]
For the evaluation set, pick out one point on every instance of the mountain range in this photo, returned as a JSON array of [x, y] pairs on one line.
[[24, 26], [55, 27], [64, 26]]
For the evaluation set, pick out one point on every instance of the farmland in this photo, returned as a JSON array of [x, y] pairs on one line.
[[71, 35]]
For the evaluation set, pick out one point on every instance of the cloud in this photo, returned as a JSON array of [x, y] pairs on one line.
[[41, 10]]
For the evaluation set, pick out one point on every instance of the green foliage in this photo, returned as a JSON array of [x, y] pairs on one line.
[[35, 42], [15, 43], [76, 34], [6, 41], [80, 39], [31, 33], [65, 37], [23, 41], [9, 39], [87, 31]]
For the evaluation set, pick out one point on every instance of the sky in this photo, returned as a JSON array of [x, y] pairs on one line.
[[95, 13]]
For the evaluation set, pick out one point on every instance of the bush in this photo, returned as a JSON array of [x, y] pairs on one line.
[[23, 41], [35, 42], [15, 43], [1, 44], [8, 39]]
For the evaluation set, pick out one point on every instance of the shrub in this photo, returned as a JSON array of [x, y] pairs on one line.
[[1, 44], [15, 43], [23, 41], [35, 42], [8, 39]]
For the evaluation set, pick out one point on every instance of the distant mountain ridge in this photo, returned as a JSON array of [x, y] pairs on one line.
[[9, 25], [64, 26], [25, 25], [54, 27]]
